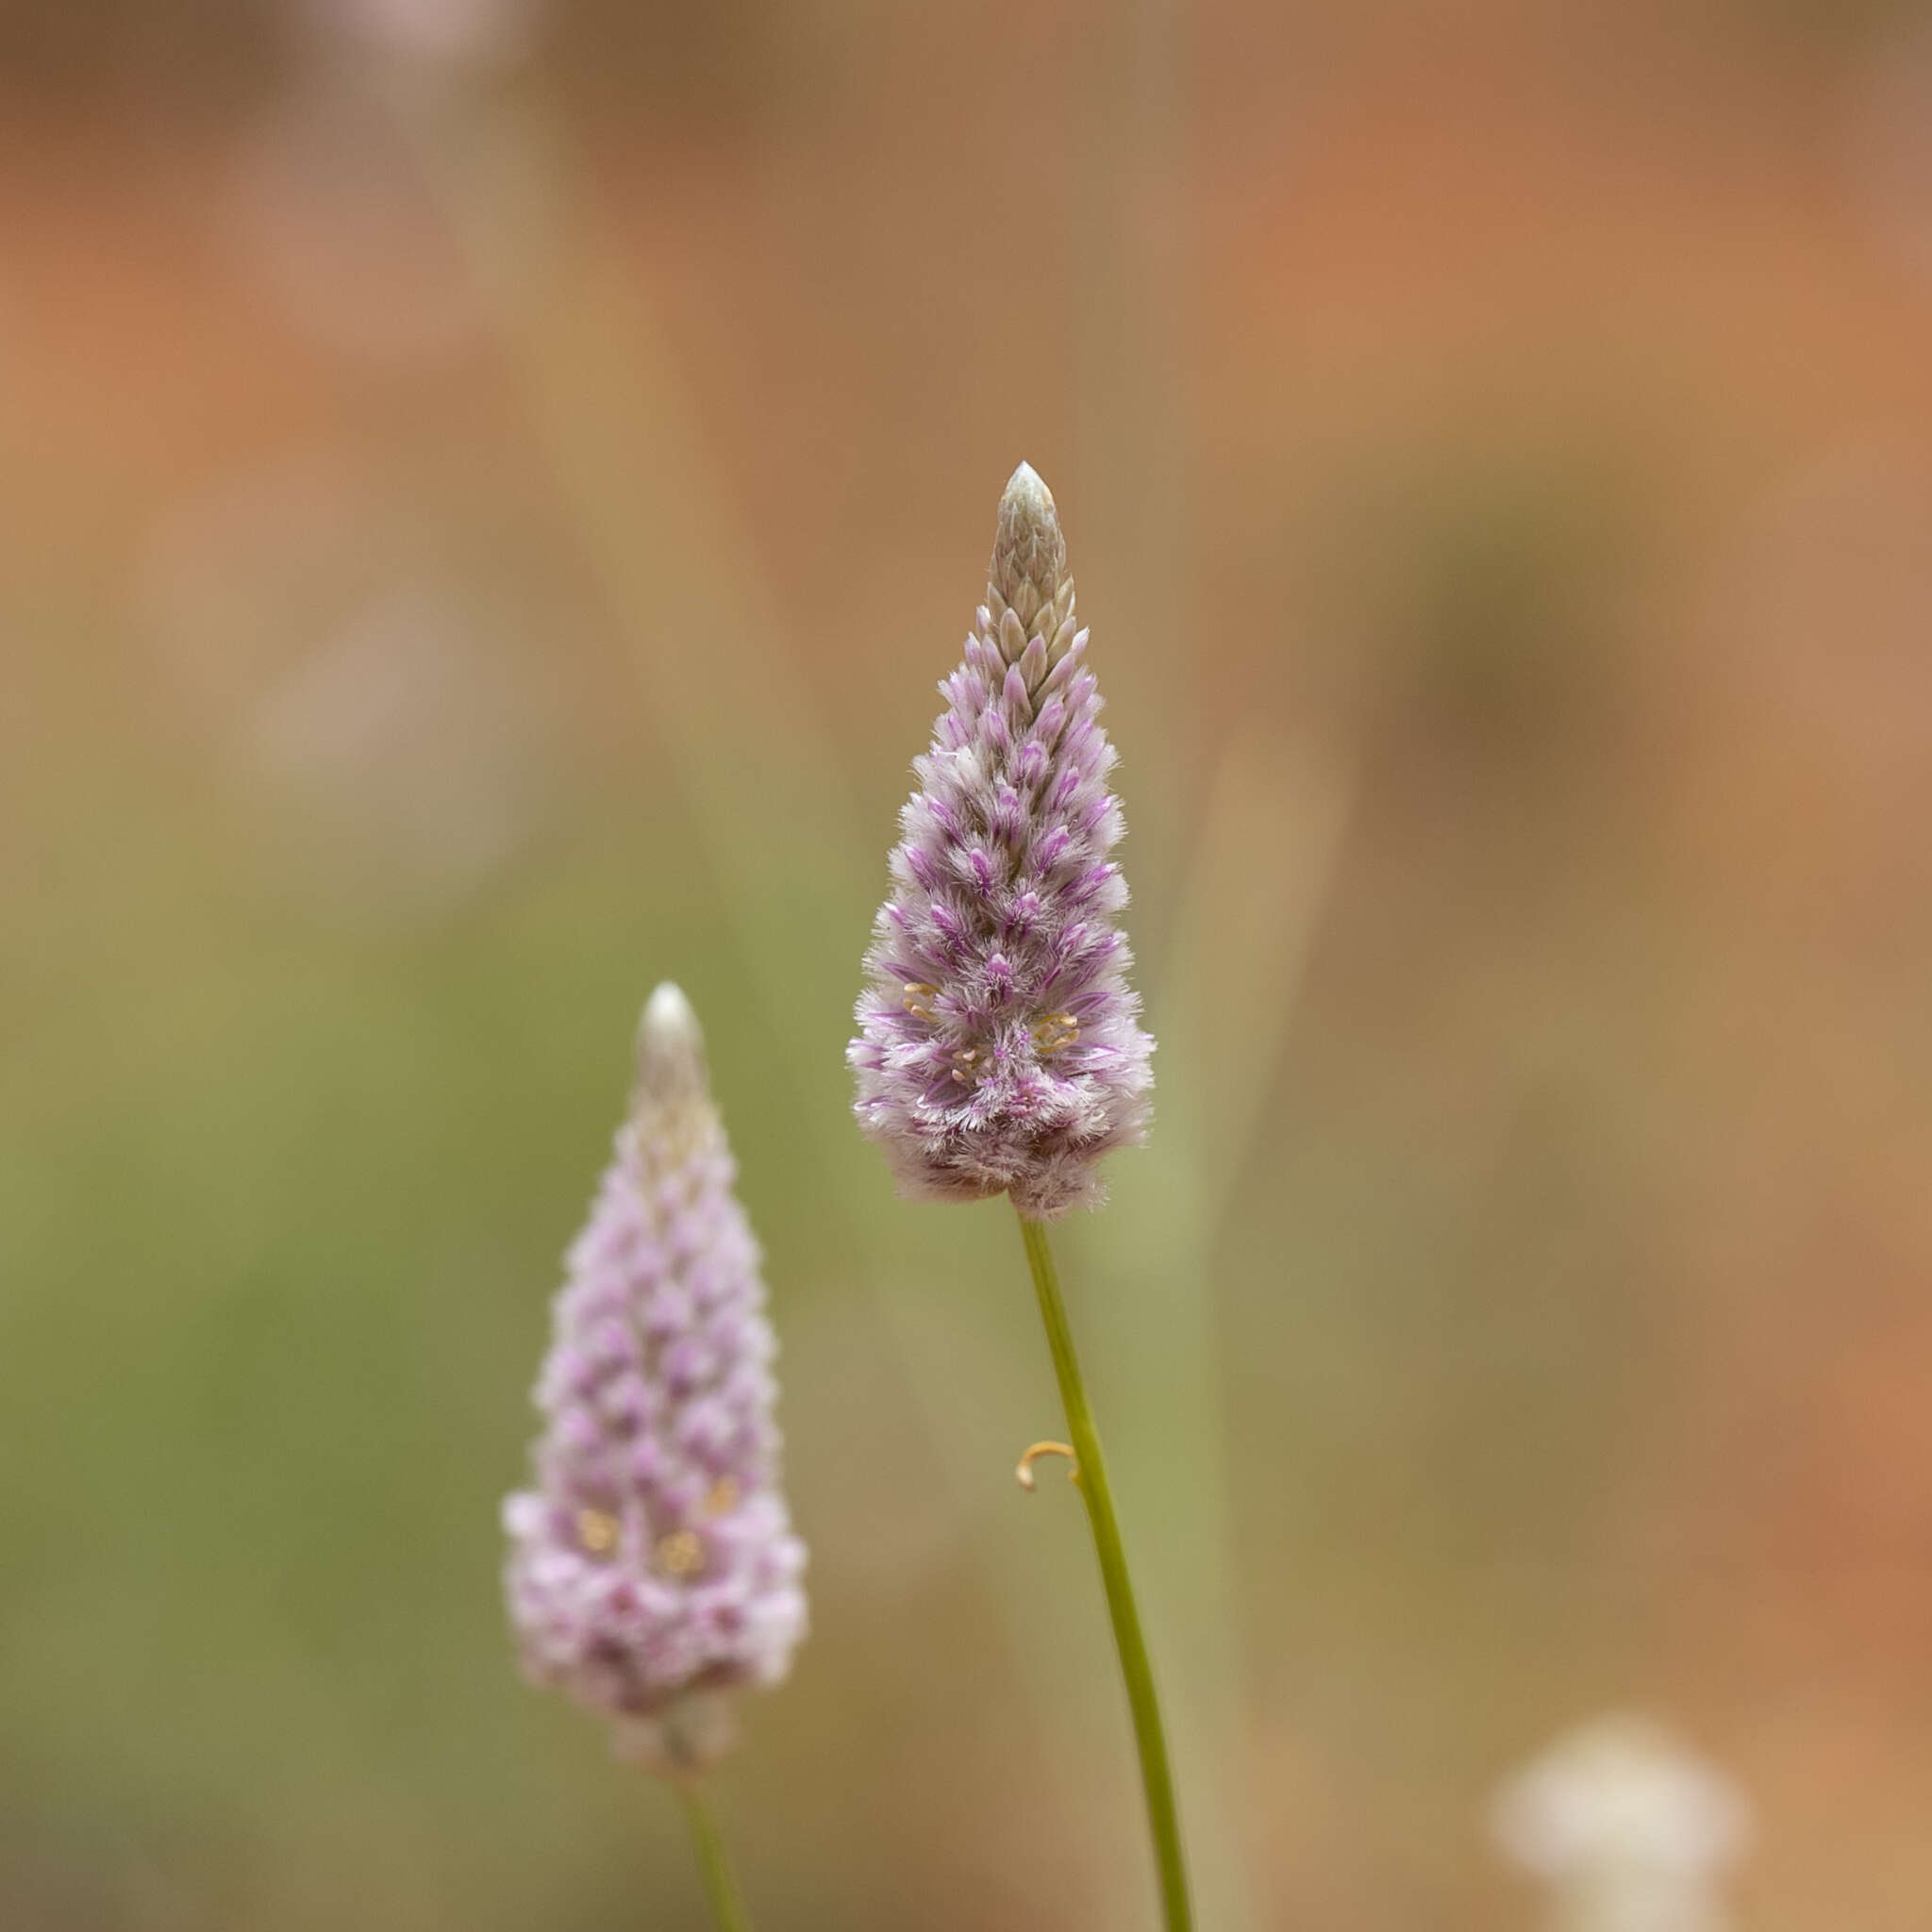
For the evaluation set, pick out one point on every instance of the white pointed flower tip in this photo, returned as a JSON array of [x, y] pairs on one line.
[[1028, 548], [1028, 495], [671, 1048], [1621, 1794]]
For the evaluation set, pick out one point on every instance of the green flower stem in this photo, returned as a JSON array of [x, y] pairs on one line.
[[720, 1888], [1163, 1822]]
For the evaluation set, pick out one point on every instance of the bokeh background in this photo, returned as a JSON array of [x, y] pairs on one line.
[[486, 492]]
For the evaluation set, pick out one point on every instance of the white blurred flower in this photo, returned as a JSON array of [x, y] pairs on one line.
[[337, 223], [439, 32], [1888, 140], [403, 742], [1630, 1830], [373, 709]]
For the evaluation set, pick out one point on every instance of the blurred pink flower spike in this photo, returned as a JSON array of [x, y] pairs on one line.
[[651, 1568], [1631, 1832]]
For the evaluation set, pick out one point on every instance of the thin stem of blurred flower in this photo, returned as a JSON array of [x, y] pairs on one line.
[[720, 1888], [1163, 1820]]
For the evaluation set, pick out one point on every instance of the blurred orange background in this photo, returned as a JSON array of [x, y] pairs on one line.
[[485, 494]]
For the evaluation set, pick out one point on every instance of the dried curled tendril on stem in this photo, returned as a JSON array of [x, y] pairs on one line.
[[1023, 1474]]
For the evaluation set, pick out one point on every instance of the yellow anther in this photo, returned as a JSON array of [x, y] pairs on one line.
[[681, 1553], [919, 999], [966, 1064], [1055, 1031], [723, 1498], [1024, 1471], [596, 1531]]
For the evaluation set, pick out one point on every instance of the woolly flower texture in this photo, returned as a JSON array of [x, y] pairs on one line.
[[998, 1045], [653, 1565]]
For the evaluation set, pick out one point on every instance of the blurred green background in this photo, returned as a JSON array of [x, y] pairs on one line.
[[486, 492]]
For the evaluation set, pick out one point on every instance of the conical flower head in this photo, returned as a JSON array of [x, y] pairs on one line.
[[653, 1560], [999, 1046]]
